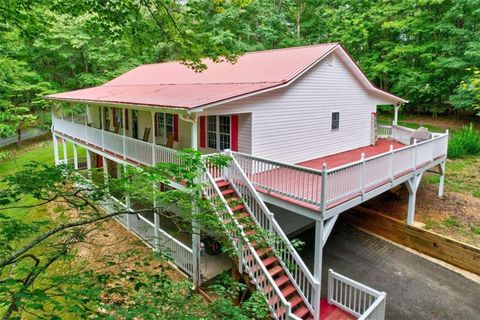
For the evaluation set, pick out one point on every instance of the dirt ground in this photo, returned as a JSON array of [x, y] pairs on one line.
[[114, 241], [456, 215]]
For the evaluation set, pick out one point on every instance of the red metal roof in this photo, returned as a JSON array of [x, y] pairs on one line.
[[172, 84]]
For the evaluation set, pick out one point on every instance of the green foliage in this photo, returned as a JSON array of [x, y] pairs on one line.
[[464, 142], [451, 222]]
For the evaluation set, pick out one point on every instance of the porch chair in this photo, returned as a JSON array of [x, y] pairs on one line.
[[107, 125], [116, 129], [170, 140], [146, 134]]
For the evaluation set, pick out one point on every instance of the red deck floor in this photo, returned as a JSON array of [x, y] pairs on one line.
[[331, 312], [281, 178], [339, 159]]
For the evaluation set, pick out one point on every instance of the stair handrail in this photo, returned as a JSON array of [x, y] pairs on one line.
[[242, 262], [313, 299]]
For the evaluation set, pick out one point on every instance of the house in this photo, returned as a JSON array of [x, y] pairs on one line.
[[300, 125]]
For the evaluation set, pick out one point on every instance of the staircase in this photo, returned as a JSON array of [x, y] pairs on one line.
[[265, 252]]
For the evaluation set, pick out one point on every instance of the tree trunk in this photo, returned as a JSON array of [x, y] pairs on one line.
[[19, 135]]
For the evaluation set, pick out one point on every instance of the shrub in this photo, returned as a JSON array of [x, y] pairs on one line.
[[5, 155], [464, 142]]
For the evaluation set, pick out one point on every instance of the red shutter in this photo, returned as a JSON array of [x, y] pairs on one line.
[[175, 126], [126, 119], [203, 132], [155, 117], [234, 132]]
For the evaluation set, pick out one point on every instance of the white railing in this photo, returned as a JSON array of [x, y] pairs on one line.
[[292, 263], [295, 182], [355, 298], [248, 259], [384, 131], [124, 147], [345, 182]]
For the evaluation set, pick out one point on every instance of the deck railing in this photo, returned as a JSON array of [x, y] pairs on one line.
[[355, 298], [291, 261], [124, 147], [329, 187]]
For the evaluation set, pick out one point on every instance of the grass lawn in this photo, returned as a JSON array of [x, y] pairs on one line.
[[40, 151], [462, 176]]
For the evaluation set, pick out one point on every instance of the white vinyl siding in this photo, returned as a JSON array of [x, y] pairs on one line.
[[293, 124]]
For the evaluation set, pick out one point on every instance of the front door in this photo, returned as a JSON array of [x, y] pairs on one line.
[[135, 124]]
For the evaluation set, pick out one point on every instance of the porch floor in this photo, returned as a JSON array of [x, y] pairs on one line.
[[331, 312], [339, 159]]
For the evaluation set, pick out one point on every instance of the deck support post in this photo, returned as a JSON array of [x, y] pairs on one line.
[[75, 156], [127, 200], [317, 266], [156, 218], [89, 165], [197, 278], [65, 158], [441, 169], [412, 186], [55, 150]]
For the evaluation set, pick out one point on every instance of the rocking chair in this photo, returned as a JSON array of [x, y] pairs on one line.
[[146, 134]]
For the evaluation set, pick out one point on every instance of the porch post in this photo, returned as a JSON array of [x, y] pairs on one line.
[[86, 124], [194, 133], [55, 149], [89, 165], [317, 266], [102, 125], [65, 158], [124, 123], [395, 114], [441, 168], [153, 137], [75, 156]]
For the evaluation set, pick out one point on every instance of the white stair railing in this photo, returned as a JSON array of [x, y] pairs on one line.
[[249, 261], [355, 298], [305, 283]]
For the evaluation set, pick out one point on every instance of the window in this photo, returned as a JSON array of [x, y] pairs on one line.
[[335, 121], [164, 124], [218, 132]]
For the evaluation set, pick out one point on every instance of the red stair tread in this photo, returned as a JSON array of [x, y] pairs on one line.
[[288, 290], [222, 183], [228, 191], [238, 207], [282, 280], [301, 312], [269, 261], [275, 270], [295, 300]]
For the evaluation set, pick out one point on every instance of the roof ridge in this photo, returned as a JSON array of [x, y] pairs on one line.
[[192, 84], [251, 52]]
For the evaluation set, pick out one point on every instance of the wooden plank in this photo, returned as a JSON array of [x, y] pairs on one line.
[[457, 253]]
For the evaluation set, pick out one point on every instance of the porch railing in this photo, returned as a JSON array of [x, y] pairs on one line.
[[355, 298], [329, 187], [122, 146]]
